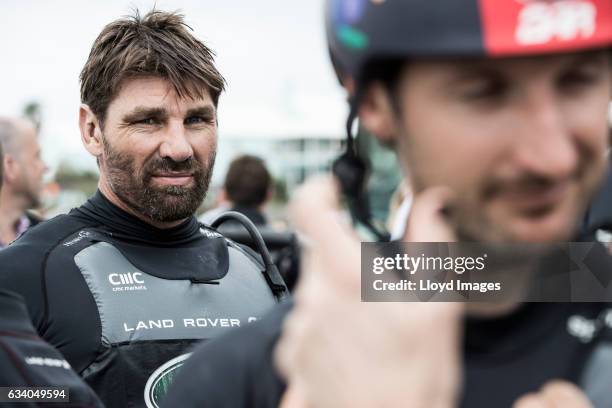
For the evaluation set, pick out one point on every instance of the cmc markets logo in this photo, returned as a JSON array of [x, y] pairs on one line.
[[540, 22], [125, 282], [158, 383]]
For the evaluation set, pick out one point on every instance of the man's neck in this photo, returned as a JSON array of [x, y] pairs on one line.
[[11, 210], [112, 197]]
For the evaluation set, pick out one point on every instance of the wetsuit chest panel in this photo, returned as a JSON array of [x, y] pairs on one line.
[[136, 306]]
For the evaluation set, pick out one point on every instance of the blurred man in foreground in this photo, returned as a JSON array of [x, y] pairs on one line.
[[23, 178], [497, 110], [126, 283]]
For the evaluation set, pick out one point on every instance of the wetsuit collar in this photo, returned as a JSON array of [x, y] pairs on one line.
[[129, 227]]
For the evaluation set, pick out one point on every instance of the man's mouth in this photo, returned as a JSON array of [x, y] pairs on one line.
[[534, 201], [173, 179]]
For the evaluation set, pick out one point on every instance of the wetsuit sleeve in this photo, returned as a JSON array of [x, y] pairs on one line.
[[233, 371], [21, 272], [60, 305], [27, 361]]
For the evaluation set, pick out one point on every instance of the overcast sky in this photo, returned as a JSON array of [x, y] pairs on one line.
[[272, 53]]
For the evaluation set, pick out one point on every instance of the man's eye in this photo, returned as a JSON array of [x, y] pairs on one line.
[[147, 121], [194, 120], [579, 79], [484, 90]]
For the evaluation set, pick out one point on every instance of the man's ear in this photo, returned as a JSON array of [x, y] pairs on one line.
[[91, 131], [377, 115], [10, 168]]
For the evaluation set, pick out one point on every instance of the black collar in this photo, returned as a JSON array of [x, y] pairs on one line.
[[126, 226]]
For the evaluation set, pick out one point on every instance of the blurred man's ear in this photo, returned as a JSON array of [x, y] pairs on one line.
[[91, 131], [349, 84], [376, 113], [10, 168]]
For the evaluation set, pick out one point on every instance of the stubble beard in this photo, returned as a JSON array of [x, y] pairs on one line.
[[171, 203]]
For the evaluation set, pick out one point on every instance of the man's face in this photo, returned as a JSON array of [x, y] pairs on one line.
[[31, 167], [520, 141], [159, 149]]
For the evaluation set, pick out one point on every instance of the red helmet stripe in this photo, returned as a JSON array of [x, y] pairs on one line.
[[518, 27]]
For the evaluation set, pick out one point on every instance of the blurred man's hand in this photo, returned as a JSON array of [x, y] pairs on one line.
[[338, 352], [556, 394]]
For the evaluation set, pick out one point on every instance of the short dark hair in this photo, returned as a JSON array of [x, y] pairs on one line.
[[248, 181], [158, 44]]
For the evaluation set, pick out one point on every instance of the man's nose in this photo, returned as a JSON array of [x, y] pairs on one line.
[[547, 145], [176, 144]]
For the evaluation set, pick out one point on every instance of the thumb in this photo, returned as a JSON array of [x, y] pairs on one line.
[[293, 398], [556, 394], [314, 211], [429, 218]]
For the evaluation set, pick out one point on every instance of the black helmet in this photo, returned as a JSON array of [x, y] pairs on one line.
[[359, 31]]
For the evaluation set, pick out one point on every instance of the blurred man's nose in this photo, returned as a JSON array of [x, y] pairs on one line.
[[176, 145], [547, 144]]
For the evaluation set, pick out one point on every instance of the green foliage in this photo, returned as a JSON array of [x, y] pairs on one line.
[[281, 195], [70, 178], [33, 111]]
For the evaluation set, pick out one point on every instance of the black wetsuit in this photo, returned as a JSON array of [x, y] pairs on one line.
[[503, 359], [27, 361], [123, 301]]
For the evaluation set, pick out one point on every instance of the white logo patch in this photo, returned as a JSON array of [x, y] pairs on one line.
[[209, 234], [127, 282], [82, 234], [563, 20], [587, 329]]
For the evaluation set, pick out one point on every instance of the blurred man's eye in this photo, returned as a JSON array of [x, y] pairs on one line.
[[580, 78], [484, 90]]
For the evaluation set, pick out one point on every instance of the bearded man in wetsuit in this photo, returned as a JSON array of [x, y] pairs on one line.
[[124, 284]]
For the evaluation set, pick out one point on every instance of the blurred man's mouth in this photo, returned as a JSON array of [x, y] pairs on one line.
[[534, 201]]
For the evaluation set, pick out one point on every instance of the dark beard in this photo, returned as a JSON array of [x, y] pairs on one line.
[[160, 204]]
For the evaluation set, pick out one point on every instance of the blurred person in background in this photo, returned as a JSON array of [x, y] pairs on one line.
[[26, 360], [23, 178], [219, 206], [126, 283], [248, 187], [497, 110]]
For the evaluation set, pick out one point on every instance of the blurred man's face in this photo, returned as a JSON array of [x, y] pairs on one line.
[[159, 149], [31, 167], [520, 141]]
